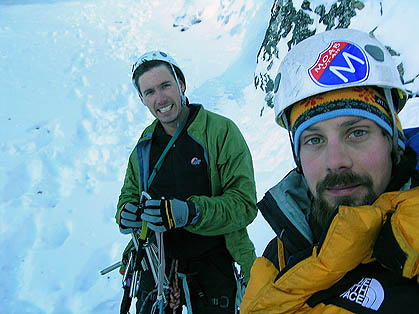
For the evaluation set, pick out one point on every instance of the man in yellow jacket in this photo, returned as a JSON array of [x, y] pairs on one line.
[[347, 218]]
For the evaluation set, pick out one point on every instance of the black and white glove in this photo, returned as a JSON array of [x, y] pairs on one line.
[[163, 215], [130, 218]]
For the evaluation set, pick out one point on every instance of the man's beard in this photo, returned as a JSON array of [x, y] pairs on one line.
[[322, 209]]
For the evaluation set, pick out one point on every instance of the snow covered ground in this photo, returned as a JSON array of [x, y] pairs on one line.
[[69, 118]]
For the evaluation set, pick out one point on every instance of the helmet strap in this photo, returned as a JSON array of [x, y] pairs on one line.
[[286, 125], [181, 95], [389, 98], [296, 159]]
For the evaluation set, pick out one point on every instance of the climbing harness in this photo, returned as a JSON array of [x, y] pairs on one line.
[[142, 244]]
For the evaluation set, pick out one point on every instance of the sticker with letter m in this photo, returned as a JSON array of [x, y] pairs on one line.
[[340, 63]]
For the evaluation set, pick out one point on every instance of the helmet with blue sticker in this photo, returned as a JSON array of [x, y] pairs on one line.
[[333, 60]]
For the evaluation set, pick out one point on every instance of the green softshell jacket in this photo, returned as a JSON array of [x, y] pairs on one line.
[[232, 205]]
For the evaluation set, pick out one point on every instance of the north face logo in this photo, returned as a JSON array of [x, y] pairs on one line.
[[368, 293]]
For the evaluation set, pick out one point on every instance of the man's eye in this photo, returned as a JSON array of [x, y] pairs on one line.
[[357, 133], [166, 85], [313, 141]]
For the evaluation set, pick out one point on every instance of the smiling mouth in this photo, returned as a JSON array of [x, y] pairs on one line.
[[165, 109]]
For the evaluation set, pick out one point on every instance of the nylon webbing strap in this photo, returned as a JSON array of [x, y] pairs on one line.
[[186, 291], [144, 229], [158, 164], [157, 167]]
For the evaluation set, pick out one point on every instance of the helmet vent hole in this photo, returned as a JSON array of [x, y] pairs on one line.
[[375, 52]]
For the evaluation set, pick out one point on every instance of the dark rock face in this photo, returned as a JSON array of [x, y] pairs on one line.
[[293, 25]]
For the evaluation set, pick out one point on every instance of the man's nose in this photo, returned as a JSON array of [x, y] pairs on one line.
[[337, 155], [160, 96]]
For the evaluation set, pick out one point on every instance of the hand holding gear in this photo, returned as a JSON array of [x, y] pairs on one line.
[[163, 215], [130, 218]]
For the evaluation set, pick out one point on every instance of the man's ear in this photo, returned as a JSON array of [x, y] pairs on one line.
[[389, 139], [401, 152], [142, 99], [182, 86], [396, 153]]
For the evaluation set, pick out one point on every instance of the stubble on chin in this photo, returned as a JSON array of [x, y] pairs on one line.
[[323, 209]]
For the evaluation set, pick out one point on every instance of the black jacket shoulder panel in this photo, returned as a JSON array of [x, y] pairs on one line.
[[271, 252], [290, 236]]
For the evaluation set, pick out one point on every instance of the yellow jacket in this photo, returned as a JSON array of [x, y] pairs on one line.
[[340, 273]]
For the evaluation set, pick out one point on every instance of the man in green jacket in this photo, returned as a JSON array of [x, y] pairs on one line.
[[190, 178]]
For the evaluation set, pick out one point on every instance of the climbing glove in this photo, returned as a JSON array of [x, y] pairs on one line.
[[163, 215], [129, 218]]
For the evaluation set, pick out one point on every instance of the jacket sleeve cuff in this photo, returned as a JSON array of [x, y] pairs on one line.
[[393, 250], [387, 250], [193, 213]]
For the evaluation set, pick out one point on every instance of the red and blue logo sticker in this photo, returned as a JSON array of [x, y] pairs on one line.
[[195, 161], [340, 63]]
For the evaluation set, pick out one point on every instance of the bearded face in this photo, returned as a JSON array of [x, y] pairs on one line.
[[346, 161], [324, 207]]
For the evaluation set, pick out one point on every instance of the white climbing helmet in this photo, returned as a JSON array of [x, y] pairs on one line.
[[333, 60]]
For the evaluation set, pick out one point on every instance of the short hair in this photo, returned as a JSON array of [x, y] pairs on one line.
[[148, 65]]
